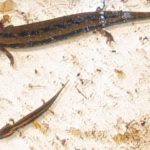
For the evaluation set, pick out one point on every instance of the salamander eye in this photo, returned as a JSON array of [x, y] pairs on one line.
[[5, 131], [5, 128]]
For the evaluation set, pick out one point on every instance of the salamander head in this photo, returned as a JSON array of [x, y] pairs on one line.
[[6, 131]]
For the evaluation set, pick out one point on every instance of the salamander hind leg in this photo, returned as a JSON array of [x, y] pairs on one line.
[[108, 36], [8, 54]]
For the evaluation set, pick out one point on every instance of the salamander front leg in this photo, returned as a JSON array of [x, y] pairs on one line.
[[108, 36], [12, 120], [8, 54], [5, 19]]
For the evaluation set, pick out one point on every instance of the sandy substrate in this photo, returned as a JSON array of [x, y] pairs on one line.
[[106, 104]]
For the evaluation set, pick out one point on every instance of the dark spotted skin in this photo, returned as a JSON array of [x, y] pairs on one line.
[[63, 27]]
